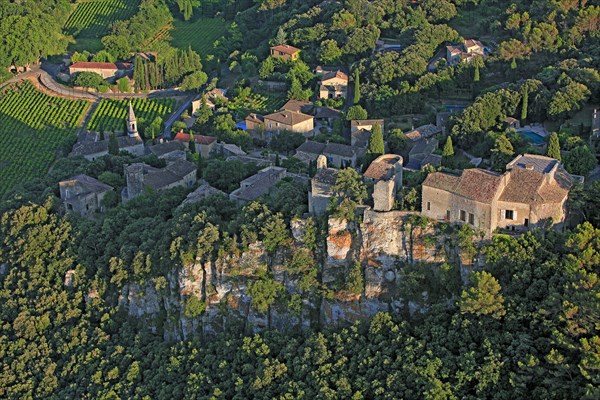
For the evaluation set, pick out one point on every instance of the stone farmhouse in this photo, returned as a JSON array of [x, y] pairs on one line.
[[334, 85], [258, 185], [93, 149], [139, 176], [212, 98], [255, 122], [385, 173], [423, 132], [292, 121], [105, 69], [285, 51], [204, 144], [531, 193], [169, 151], [464, 52], [421, 154], [83, 194], [338, 155]]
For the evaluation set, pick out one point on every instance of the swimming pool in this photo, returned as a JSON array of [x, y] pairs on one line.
[[533, 137]]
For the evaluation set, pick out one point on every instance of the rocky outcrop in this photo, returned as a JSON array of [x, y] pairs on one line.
[[383, 243]]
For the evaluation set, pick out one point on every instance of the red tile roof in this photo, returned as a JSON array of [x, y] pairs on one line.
[[94, 65], [286, 48], [200, 139]]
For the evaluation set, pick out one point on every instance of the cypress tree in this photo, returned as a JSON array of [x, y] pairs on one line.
[[356, 87], [376, 146], [476, 76], [113, 144], [192, 144], [448, 152], [553, 146], [524, 105], [199, 167]]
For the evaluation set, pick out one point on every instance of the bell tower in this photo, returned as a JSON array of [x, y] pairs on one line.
[[131, 122]]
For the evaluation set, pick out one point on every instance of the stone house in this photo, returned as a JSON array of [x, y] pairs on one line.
[[421, 154], [334, 85], [338, 155], [285, 51], [511, 123], [255, 122], [464, 52], [298, 106], [83, 194], [385, 173], [531, 193], [320, 193], [179, 173], [170, 151], [365, 124], [105, 69], [423, 132], [211, 98], [289, 121], [204, 144], [257, 185], [326, 116]]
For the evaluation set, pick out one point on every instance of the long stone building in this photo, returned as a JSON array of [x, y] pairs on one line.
[[531, 193]]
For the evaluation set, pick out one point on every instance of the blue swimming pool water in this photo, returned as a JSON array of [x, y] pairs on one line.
[[533, 137]]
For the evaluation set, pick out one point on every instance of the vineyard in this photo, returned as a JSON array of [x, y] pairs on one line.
[[110, 115], [91, 19], [33, 127], [200, 34]]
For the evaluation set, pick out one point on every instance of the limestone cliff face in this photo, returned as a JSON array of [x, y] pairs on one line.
[[384, 244]]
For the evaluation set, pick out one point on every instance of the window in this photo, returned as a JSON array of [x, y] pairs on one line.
[[471, 219], [428, 206], [509, 214], [448, 215], [463, 215]]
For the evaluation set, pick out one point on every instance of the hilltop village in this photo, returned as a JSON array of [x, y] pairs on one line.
[[299, 199]]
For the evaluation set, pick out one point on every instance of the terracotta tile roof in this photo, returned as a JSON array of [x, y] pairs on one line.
[[298, 106], [200, 139], [286, 48], [479, 185], [441, 180], [474, 184], [383, 167], [334, 74], [174, 172], [289, 118], [94, 65], [256, 118], [539, 163], [530, 186], [425, 131]]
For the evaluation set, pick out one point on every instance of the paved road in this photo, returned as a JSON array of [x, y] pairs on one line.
[[167, 132]]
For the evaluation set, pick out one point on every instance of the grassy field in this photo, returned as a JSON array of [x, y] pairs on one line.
[[200, 33], [33, 127], [110, 115], [91, 20]]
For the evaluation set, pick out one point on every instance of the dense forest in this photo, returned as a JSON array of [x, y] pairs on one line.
[[512, 317]]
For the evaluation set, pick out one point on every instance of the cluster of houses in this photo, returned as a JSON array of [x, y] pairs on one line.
[[531, 193]]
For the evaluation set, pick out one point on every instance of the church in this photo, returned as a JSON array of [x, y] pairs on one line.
[[92, 148]]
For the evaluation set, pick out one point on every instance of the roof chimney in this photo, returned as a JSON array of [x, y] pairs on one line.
[[529, 167]]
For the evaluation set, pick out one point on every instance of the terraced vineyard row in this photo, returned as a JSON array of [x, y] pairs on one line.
[[33, 127], [93, 18], [110, 115]]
